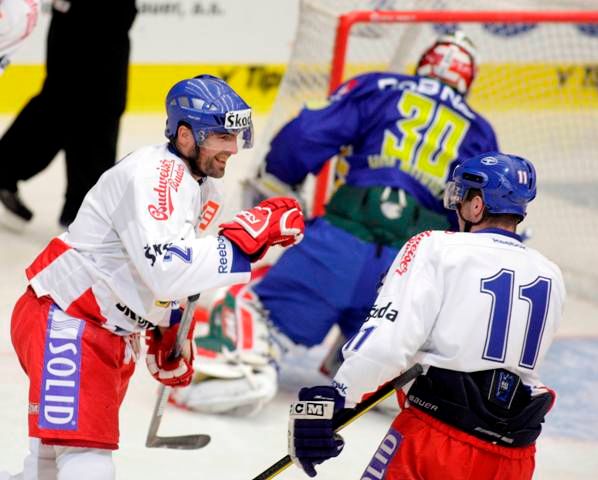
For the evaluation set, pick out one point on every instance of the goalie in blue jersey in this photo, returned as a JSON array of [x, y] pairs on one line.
[[400, 137]]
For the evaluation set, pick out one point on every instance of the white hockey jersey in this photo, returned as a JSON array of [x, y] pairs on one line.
[[133, 251], [17, 20], [458, 301]]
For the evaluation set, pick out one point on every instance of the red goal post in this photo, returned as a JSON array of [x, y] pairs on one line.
[[348, 20]]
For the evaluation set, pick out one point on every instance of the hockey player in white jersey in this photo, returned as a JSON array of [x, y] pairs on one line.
[[131, 255], [17, 20], [478, 310]]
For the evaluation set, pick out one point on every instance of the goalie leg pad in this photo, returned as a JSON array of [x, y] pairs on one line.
[[238, 322], [242, 396], [236, 359]]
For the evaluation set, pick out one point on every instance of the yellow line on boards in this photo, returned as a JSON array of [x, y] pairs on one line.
[[531, 86]]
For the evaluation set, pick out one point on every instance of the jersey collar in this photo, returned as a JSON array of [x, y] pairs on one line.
[[500, 231]]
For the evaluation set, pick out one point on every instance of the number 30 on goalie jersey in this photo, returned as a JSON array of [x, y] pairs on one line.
[[428, 140], [393, 130]]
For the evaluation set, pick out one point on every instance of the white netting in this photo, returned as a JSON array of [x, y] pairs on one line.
[[537, 85]]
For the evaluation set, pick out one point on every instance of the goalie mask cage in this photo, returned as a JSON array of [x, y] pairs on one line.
[[537, 84]]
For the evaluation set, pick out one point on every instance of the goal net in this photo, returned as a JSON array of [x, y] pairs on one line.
[[537, 85]]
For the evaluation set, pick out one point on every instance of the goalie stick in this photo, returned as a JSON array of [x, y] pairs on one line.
[[345, 417], [182, 442]]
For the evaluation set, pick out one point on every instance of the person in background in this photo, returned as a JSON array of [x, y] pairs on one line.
[[78, 109]]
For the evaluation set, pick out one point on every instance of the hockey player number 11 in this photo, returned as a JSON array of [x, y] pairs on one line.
[[536, 294]]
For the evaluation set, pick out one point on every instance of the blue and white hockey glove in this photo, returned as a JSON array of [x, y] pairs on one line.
[[311, 436]]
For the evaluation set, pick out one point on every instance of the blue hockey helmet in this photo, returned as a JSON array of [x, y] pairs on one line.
[[507, 183], [208, 104]]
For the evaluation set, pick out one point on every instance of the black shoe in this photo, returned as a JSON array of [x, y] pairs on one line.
[[16, 214]]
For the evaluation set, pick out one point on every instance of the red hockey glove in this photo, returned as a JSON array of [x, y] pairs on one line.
[[173, 372], [276, 221]]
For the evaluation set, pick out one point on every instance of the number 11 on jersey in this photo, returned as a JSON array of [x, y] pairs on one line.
[[537, 294]]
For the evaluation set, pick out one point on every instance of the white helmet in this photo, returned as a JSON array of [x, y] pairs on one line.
[[452, 59]]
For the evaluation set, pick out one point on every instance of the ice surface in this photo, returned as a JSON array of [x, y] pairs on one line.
[[243, 447]]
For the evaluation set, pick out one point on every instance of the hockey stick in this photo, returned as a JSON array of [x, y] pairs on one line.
[[184, 442], [345, 417]]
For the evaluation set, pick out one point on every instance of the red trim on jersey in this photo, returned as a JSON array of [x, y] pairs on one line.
[[87, 308], [208, 212], [409, 251], [53, 250]]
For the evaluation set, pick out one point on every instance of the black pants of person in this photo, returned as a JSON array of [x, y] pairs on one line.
[[79, 107]]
